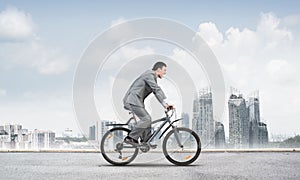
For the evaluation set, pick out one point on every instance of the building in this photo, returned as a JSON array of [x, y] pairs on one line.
[[92, 133], [23, 139], [220, 136], [12, 131], [254, 119], [245, 126], [203, 121], [105, 127], [185, 120], [258, 132], [238, 122], [12, 136], [117, 136], [263, 137], [68, 133], [5, 139], [42, 139]]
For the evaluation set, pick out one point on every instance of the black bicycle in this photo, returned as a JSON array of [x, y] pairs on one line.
[[181, 146]]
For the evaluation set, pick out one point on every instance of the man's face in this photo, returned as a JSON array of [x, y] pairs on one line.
[[161, 71]]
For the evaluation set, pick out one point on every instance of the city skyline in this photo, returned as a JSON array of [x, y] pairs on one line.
[[205, 95], [257, 45]]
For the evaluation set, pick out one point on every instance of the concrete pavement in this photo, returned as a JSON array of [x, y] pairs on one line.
[[218, 165]]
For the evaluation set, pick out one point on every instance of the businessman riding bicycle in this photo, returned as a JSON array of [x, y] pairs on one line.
[[133, 101]]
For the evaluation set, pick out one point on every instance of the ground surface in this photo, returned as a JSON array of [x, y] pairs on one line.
[[234, 165]]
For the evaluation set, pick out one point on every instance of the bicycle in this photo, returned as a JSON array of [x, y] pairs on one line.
[[181, 146]]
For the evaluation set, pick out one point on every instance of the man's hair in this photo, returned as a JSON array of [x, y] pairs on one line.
[[158, 65]]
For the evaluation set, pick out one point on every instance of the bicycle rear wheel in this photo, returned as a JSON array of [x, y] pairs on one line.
[[184, 153], [113, 148]]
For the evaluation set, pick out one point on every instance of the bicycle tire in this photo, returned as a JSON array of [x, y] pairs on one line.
[[104, 154], [182, 163]]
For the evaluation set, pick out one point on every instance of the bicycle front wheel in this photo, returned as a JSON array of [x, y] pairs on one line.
[[181, 146], [113, 148]]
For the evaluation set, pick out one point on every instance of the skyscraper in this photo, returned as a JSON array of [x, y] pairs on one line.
[[263, 137], [12, 136], [220, 135], [42, 139], [92, 132], [203, 121], [185, 120], [238, 122], [104, 126], [254, 119]]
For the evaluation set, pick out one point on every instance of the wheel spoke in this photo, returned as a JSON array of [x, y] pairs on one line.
[[188, 152], [113, 148]]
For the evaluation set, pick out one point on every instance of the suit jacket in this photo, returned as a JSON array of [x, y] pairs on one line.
[[141, 88]]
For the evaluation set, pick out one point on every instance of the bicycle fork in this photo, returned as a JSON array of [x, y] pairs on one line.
[[176, 133]]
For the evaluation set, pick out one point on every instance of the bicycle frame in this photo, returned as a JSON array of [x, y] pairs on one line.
[[166, 120], [155, 133]]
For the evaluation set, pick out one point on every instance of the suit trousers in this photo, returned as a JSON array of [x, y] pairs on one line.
[[143, 127]]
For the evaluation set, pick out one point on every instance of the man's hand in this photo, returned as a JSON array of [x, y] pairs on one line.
[[169, 107]]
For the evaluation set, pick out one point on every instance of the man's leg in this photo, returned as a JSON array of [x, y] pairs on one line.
[[146, 134], [143, 127]]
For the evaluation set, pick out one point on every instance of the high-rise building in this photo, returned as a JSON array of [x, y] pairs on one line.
[[117, 135], [263, 137], [2, 131], [4, 138], [104, 127], [185, 120], [12, 131], [92, 133], [23, 139], [238, 122], [42, 139], [203, 121], [220, 135], [254, 119], [12, 136]]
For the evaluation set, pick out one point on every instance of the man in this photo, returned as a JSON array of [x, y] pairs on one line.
[[133, 101]]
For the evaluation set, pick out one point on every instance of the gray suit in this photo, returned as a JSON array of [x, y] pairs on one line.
[[144, 85]]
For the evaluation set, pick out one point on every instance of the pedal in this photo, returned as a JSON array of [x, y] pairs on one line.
[[153, 146]]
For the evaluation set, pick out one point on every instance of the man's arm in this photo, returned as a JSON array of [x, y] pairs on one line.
[[158, 92]]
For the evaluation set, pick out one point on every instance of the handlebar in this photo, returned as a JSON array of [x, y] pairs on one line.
[[170, 108]]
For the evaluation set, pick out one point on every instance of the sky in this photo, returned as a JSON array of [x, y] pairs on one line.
[[257, 45]]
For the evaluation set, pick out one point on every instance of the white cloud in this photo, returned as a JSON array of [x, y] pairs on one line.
[[16, 25], [281, 71], [24, 49], [34, 55], [47, 61], [2, 92], [210, 33], [292, 20], [241, 39], [263, 58], [271, 32], [244, 53]]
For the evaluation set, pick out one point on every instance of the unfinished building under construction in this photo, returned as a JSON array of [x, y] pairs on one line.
[[245, 126], [238, 121], [211, 132]]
